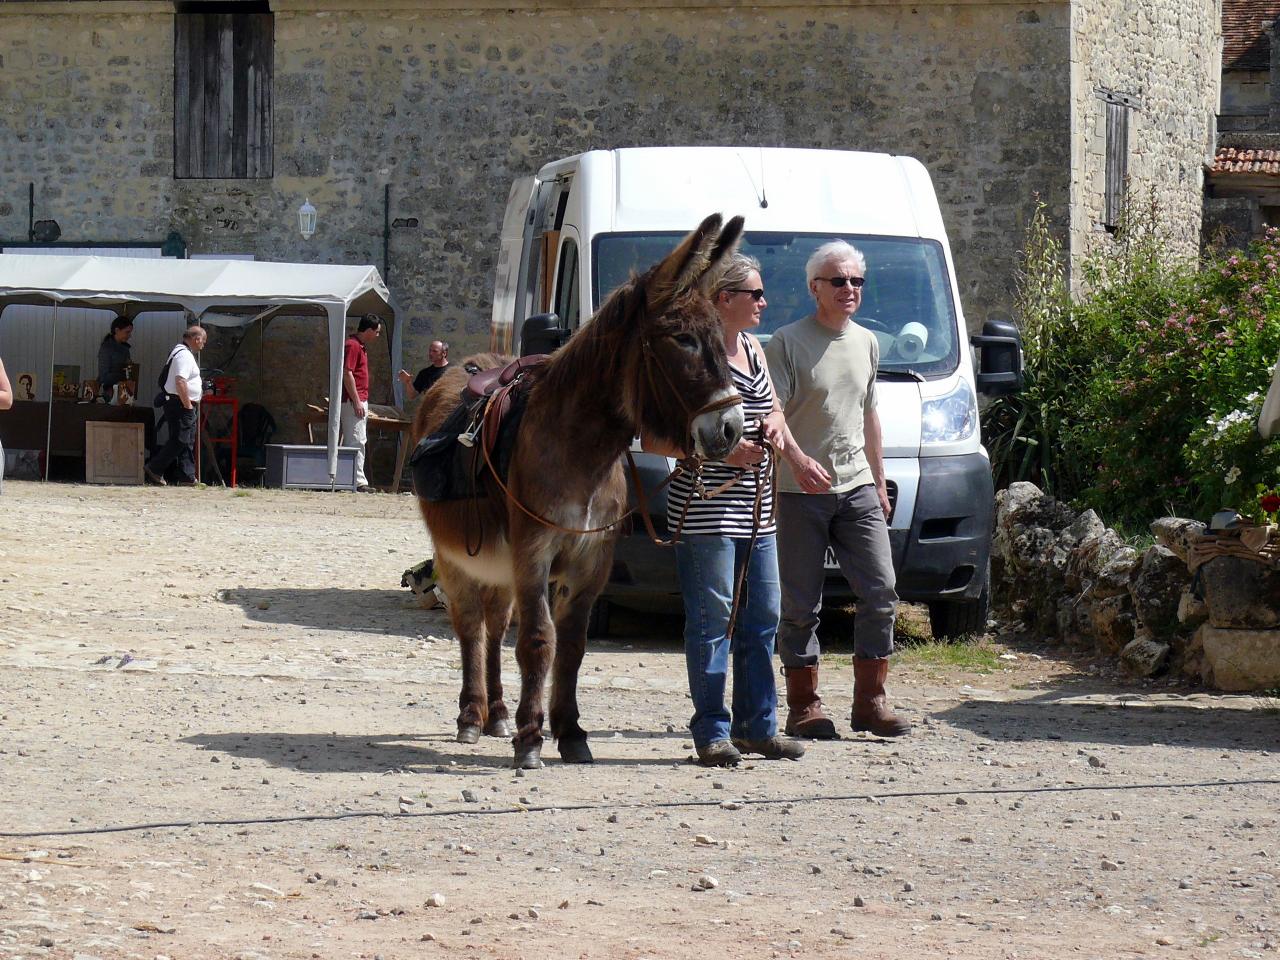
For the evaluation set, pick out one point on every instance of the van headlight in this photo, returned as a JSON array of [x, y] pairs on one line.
[[949, 418]]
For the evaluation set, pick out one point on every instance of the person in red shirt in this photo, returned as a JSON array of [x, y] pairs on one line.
[[355, 392]]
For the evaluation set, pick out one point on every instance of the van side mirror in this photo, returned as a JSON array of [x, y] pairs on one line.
[[542, 334], [999, 350]]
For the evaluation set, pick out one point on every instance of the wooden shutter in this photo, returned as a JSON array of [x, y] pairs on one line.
[[1117, 170], [222, 70]]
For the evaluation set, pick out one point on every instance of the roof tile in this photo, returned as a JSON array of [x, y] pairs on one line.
[[1245, 160], [1245, 44]]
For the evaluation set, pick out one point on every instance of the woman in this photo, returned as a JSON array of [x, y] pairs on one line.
[[716, 541], [113, 355], [6, 401]]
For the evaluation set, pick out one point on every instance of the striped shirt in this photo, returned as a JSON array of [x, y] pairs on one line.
[[729, 512]]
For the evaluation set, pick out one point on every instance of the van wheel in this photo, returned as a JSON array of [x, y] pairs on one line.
[[598, 621], [956, 619]]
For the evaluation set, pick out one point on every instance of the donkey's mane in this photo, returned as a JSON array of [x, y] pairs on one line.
[[599, 351]]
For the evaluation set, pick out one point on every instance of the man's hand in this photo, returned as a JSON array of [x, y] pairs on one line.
[[359, 408], [811, 475], [405, 378], [883, 493], [746, 454]]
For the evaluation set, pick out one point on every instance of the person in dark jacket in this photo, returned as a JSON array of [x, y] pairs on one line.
[[113, 355]]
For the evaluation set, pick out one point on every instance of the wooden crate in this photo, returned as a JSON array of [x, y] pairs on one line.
[[114, 452]]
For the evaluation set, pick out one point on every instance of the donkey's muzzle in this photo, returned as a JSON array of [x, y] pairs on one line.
[[717, 432]]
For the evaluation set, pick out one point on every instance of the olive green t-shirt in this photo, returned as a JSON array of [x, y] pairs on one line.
[[826, 382]]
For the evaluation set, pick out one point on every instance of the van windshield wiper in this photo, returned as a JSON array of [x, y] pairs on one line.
[[900, 375]]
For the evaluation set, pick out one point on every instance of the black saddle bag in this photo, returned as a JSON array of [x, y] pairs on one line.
[[444, 469]]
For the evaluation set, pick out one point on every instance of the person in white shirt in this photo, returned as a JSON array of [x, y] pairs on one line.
[[183, 389]]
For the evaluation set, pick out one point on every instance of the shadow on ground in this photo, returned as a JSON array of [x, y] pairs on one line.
[[320, 753], [1060, 715], [349, 611]]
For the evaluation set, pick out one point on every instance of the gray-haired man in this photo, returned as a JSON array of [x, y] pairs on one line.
[[824, 372]]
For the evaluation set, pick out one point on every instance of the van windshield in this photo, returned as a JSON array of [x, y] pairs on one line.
[[906, 302]]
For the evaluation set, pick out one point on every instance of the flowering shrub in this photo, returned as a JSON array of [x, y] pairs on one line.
[[1146, 398], [1233, 465]]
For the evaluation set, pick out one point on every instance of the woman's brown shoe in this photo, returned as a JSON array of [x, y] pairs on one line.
[[719, 753]]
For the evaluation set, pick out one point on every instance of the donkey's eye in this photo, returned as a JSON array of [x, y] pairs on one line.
[[686, 340]]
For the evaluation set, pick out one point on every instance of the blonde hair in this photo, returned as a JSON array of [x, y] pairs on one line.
[[736, 269]]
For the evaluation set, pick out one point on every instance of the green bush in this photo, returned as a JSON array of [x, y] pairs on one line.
[[1142, 393]]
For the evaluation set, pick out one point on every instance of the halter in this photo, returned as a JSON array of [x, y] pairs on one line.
[[650, 361]]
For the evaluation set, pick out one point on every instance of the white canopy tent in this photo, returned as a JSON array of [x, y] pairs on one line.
[[215, 292]]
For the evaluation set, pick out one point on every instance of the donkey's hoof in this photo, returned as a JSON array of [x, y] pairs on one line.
[[468, 733], [575, 751], [528, 758], [498, 728]]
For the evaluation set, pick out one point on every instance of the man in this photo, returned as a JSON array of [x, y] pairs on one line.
[[824, 372], [355, 392], [438, 355], [183, 389]]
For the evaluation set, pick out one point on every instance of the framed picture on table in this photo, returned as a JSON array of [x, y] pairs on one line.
[[66, 381]]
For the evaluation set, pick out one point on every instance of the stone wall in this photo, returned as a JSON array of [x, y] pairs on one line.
[[447, 106], [1246, 100], [1069, 578], [1165, 53]]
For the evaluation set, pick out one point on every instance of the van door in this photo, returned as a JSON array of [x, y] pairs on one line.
[[511, 280]]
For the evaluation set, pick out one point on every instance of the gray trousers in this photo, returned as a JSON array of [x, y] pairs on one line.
[[854, 525]]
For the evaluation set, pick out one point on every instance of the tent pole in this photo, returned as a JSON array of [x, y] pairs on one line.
[[48, 421]]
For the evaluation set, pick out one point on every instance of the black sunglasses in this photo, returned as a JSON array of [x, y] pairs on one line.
[[854, 282], [757, 294]]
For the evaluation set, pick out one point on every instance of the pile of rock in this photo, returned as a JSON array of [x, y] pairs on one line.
[[1067, 575]]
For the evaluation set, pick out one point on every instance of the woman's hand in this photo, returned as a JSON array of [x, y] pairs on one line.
[[746, 454], [774, 428]]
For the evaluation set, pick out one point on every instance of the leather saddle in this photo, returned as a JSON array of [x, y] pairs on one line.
[[448, 464], [494, 389], [486, 382]]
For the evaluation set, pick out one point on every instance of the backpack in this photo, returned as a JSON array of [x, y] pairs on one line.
[[163, 395]]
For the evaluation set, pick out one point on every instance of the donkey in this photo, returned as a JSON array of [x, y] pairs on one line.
[[651, 360]]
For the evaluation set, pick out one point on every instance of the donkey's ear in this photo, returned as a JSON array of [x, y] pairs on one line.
[[727, 242], [685, 265], [725, 246]]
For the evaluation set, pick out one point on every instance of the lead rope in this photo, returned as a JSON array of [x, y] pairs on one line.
[[739, 587]]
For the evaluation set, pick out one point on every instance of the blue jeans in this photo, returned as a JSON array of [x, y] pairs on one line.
[[708, 566]]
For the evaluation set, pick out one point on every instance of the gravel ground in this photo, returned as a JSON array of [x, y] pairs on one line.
[[226, 731]]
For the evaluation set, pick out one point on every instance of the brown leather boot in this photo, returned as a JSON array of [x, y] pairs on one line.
[[804, 707], [871, 711]]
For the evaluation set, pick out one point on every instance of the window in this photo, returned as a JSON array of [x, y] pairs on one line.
[[222, 79], [1116, 177], [907, 296], [567, 285]]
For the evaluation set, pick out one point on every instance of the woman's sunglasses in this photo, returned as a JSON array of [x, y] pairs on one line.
[[757, 294], [854, 282]]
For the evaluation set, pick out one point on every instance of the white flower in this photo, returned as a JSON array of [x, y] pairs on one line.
[[1233, 475]]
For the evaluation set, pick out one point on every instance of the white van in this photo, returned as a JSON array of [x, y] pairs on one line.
[[580, 227]]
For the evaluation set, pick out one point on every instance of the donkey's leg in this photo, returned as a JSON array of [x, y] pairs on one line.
[[535, 645], [497, 618], [467, 611], [573, 608]]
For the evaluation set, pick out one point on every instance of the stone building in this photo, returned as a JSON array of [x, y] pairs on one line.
[[1243, 190], [404, 122]]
